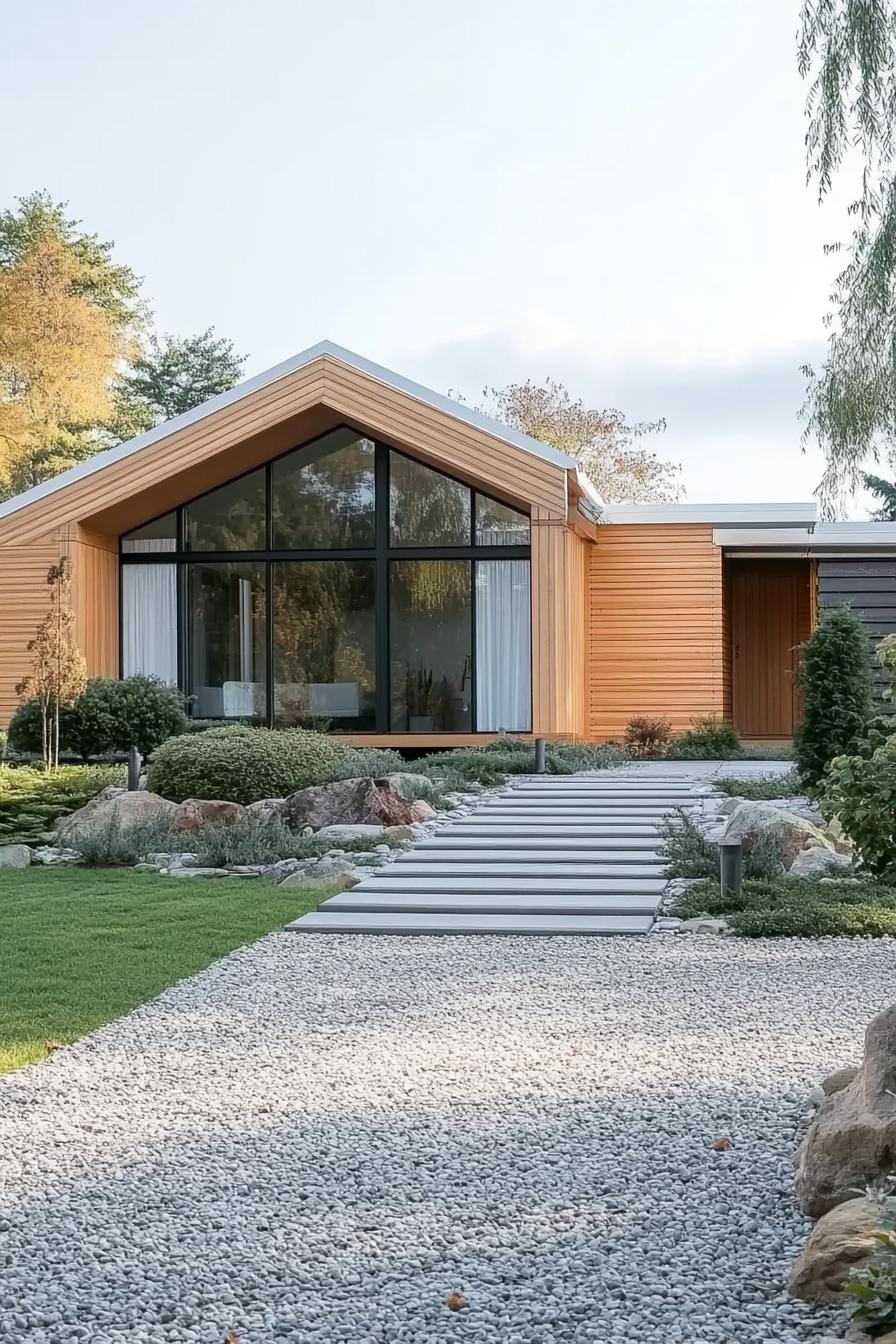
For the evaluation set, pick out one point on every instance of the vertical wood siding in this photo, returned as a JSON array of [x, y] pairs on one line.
[[655, 626], [24, 601], [559, 567], [95, 599], [770, 613]]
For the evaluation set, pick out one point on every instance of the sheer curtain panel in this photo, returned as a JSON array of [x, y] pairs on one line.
[[503, 647], [149, 621]]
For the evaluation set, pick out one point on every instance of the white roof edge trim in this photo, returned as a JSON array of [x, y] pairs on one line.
[[799, 515], [121, 451], [823, 536]]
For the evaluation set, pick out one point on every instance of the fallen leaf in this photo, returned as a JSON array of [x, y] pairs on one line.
[[231, 1338], [722, 1145], [456, 1301]]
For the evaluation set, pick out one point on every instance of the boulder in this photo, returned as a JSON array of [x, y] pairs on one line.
[[181, 871], [52, 856], [851, 1142], [423, 811], [818, 862], [331, 875], [836, 1081], [408, 786], [750, 821], [839, 1242], [348, 802], [15, 856], [400, 833], [266, 809], [114, 805], [190, 815], [703, 924]]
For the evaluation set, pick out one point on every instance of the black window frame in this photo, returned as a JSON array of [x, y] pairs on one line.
[[382, 551]]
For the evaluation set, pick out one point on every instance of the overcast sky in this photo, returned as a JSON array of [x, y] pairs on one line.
[[610, 193]]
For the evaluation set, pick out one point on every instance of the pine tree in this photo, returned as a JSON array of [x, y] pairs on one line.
[[885, 491], [836, 682]]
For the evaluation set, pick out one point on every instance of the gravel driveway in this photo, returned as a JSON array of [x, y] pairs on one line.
[[320, 1139]]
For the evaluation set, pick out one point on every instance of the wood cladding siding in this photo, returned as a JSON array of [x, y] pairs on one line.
[[559, 618], [770, 616], [869, 586], [95, 599], [655, 636], [25, 601]]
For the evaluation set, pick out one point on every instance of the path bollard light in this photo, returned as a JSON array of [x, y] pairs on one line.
[[731, 867], [135, 765], [539, 756]]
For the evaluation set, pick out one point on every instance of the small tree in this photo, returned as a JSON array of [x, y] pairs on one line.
[[58, 670], [836, 681]]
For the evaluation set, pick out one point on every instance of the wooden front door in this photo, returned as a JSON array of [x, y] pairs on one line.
[[770, 617]]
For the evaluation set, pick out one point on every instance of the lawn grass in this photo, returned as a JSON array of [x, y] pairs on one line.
[[79, 948]]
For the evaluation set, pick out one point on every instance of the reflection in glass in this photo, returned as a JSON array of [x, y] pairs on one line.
[[160, 535], [498, 524], [226, 640], [503, 639], [430, 632], [323, 495], [324, 643], [425, 507], [231, 518]]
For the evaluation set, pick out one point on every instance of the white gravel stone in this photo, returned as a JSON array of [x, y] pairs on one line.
[[318, 1139]]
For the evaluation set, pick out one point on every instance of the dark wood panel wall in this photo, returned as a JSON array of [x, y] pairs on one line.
[[869, 586]]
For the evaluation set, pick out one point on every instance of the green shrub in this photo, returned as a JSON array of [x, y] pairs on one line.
[[646, 737], [109, 716], [490, 765], [765, 788], [242, 764], [686, 851], [836, 682], [708, 739], [862, 795], [361, 762], [255, 840], [816, 921], [763, 751]]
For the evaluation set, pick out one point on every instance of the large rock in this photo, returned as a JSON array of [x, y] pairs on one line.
[[190, 815], [408, 786], [840, 1241], [749, 822], [818, 862], [347, 802], [266, 809], [840, 1078], [15, 856], [328, 874], [114, 805], [359, 832], [852, 1139]]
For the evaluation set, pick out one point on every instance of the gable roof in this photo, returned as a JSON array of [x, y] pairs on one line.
[[131, 447]]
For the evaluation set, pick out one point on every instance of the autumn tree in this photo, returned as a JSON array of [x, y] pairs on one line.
[[68, 316], [58, 670], [603, 442], [171, 376], [847, 52]]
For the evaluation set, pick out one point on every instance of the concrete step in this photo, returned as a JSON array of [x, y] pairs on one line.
[[452, 866], [555, 830], [392, 880], [523, 904], [565, 851], [417, 923]]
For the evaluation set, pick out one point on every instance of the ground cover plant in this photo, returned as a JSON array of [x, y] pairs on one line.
[[708, 739], [80, 948], [766, 788], [791, 907], [32, 800], [687, 852]]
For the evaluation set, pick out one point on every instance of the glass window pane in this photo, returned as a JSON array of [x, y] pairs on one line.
[[149, 621], [160, 535], [325, 643], [230, 518], [503, 647], [430, 632], [323, 495], [226, 640], [425, 507], [498, 524]]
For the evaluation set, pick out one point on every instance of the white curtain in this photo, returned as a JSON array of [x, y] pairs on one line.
[[503, 647], [149, 621]]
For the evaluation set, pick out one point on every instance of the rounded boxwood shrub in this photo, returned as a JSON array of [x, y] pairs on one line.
[[108, 716], [708, 739], [242, 764]]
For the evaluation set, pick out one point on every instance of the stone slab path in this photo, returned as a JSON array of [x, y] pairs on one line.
[[550, 854]]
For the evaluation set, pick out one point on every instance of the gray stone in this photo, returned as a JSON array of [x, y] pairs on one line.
[[55, 856], [114, 806], [840, 1078], [421, 810], [818, 862], [852, 1139], [839, 1243], [194, 872], [703, 924], [15, 856], [193, 813], [266, 809], [357, 832], [752, 820], [399, 832], [347, 802]]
